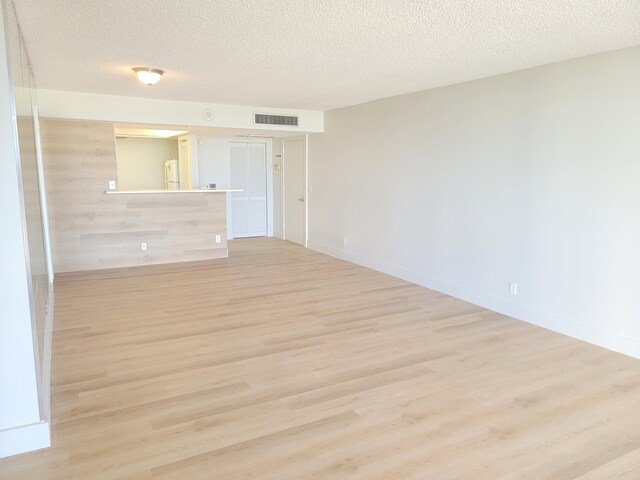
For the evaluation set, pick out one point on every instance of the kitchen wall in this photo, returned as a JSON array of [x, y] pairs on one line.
[[529, 177], [141, 161], [214, 161], [92, 230]]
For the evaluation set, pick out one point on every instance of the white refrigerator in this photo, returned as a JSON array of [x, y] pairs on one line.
[[171, 175]]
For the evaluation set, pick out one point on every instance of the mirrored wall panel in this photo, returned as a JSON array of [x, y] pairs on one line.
[[25, 94]]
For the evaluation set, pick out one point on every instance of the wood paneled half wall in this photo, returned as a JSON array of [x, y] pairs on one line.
[[92, 230]]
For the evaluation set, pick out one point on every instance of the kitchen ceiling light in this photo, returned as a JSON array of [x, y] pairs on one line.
[[147, 75]]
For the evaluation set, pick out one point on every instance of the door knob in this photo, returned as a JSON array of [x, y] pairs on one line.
[[301, 199]]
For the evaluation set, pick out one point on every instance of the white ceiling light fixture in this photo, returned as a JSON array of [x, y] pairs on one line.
[[147, 75]]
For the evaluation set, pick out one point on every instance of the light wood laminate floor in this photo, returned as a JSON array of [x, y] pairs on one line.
[[281, 363]]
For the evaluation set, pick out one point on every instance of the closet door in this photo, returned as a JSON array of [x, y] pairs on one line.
[[256, 153], [239, 200], [249, 173]]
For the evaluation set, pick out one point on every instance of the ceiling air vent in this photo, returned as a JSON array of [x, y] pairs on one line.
[[266, 119]]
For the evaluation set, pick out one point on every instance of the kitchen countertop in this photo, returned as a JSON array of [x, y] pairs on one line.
[[199, 190]]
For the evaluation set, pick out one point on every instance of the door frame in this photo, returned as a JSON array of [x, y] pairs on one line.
[[305, 139]]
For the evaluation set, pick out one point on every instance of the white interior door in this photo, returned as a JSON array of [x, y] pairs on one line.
[[249, 173], [293, 166], [257, 161], [240, 180]]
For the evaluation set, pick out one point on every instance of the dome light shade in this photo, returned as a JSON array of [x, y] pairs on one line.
[[147, 75]]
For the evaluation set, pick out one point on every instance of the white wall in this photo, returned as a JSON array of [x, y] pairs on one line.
[[214, 166], [18, 381], [141, 161], [114, 108], [214, 162], [530, 177]]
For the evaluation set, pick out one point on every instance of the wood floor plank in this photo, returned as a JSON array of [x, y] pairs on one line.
[[280, 363]]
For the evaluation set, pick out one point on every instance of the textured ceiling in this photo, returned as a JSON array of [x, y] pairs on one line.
[[316, 54]]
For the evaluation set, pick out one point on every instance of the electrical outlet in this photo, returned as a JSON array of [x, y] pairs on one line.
[[143, 246], [345, 241], [513, 288], [112, 184], [218, 238]]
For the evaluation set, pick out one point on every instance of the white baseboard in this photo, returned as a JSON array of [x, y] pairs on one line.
[[24, 439], [615, 341]]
